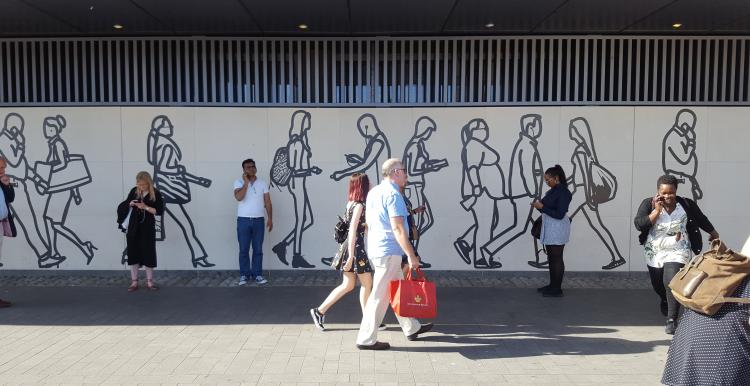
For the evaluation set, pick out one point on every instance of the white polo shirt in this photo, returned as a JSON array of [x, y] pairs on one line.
[[252, 205]]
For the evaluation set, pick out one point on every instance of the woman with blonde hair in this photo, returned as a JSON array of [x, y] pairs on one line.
[[145, 203]]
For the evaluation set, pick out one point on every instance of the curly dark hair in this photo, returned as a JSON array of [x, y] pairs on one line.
[[667, 180]]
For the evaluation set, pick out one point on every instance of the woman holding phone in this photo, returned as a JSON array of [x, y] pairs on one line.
[[670, 230], [145, 204]]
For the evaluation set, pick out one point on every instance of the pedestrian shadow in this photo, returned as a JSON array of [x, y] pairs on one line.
[[488, 341]]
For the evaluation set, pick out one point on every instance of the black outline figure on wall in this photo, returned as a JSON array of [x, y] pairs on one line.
[[678, 155], [591, 184], [173, 181], [482, 186], [418, 165], [23, 177], [525, 176], [377, 150], [61, 175], [291, 167]]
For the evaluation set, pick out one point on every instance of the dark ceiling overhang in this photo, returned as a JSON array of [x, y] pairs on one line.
[[55, 18]]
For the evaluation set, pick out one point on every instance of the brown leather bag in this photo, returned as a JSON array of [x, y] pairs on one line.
[[710, 279]]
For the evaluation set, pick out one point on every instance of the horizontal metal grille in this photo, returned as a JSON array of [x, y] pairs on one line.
[[375, 71]]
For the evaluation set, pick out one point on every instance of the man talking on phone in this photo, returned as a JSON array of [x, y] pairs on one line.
[[253, 204]]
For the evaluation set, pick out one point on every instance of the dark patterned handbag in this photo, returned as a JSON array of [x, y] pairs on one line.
[[536, 228]]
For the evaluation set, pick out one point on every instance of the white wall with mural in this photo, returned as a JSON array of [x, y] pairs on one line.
[[475, 169]]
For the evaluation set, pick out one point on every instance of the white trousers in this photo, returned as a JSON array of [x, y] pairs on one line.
[[386, 269]]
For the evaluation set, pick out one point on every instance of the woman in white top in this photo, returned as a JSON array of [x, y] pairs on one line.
[[669, 233]]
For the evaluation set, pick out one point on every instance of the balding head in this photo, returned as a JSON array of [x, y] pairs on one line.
[[390, 165]]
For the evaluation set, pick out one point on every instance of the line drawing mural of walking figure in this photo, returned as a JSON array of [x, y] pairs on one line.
[[591, 185], [525, 177], [678, 156], [24, 177], [173, 181], [290, 168], [418, 164], [61, 174], [377, 150], [482, 186]]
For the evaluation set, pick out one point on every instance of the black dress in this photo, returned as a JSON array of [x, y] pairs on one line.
[[361, 263], [712, 350], [141, 234]]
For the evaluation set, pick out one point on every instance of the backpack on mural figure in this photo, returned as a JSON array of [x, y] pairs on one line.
[[602, 184], [281, 173]]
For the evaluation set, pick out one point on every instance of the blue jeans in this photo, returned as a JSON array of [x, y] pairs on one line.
[[251, 231]]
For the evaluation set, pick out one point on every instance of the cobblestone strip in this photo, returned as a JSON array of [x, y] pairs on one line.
[[316, 278]]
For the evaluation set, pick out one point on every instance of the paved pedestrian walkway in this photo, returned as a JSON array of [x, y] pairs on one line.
[[264, 335]]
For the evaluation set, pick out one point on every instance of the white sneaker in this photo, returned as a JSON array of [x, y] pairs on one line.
[[259, 280], [243, 280]]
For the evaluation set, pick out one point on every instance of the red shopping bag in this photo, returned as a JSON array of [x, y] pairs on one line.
[[414, 297]]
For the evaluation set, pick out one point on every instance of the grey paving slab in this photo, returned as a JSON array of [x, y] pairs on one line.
[[263, 335]]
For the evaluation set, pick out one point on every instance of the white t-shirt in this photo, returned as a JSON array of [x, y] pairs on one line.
[[252, 205]]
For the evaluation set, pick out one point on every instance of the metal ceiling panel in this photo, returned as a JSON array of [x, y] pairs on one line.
[[399, 17], [20, 19], [198, 17], [509, 16], [598, 16], [696, 16], [98, 17], [283, 16]]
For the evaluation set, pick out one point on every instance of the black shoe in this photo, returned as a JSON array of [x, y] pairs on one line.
[[317, 319], [280, 251], [663, 307], [423, 264], [552, 293], [299, 262], [202, 262], [374, 346], [425, 328], [670, 327], [463, 249], [542, 289], [614, 264], [482, 263]]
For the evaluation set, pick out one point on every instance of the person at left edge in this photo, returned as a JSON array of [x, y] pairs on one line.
[[8, 196], [253, 203]]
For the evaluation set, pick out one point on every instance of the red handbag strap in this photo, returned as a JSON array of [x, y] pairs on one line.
[[418, 277]]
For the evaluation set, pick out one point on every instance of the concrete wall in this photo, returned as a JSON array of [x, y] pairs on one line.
[[630, 144]]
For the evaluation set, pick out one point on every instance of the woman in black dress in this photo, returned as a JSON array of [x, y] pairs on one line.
[[355, 264], [145, 202]]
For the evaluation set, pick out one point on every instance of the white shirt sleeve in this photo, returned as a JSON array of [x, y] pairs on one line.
[[238, 183]]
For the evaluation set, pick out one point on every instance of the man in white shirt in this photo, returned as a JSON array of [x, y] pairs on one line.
[[253, 203]]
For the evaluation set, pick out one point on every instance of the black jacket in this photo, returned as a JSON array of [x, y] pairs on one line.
[[556, 202], [10, 195], [696, 220]]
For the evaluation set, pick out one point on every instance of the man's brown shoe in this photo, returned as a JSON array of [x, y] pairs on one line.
[[5, 303], [374, 346]]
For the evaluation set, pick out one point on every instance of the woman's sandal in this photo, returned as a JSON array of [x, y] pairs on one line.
[[133, 285], [150, 284]]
